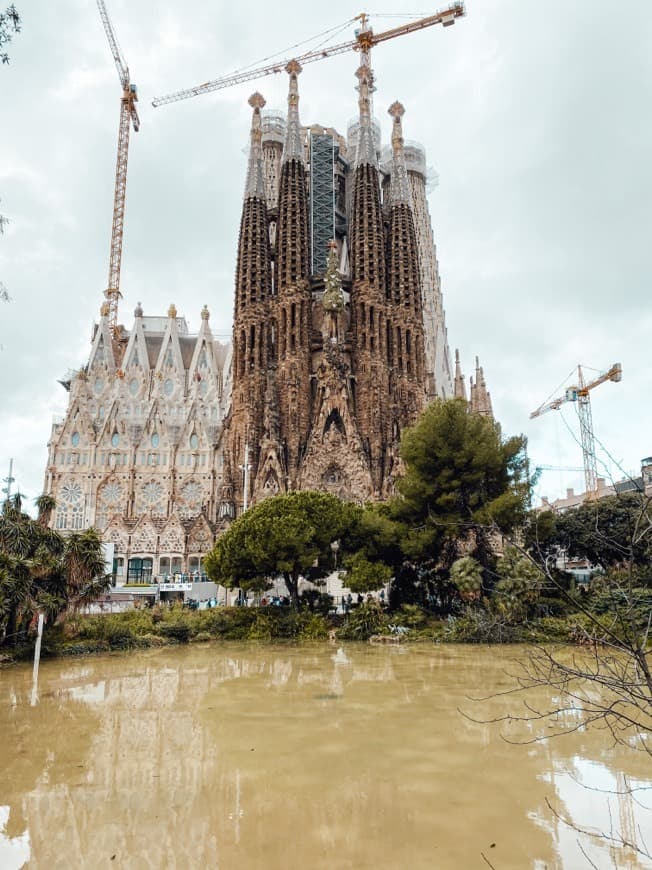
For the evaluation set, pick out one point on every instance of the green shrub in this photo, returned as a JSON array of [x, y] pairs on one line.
[[149, 640], [175, 631], [228, 623], [479, 625], [84, 648], [261, 628], [410, 615], [313, 627], [363, 622], [635, 603]]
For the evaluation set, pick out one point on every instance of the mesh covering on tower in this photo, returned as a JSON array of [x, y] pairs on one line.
[[322, 199]]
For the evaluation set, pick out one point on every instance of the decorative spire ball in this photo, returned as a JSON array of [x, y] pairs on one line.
[[396, 110], [254, 185], [172, 310], [257, 100]]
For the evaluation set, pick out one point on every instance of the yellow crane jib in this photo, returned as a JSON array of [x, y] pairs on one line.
[[364, 40]]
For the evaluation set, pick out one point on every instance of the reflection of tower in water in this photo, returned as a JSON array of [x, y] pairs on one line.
[[625, 810]]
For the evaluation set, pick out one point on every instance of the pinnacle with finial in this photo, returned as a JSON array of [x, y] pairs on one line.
[[366, 151], [255, 185], [293, 148], [399, 186], [459, 389]]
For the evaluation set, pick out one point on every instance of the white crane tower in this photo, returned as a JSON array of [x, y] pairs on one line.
[[579, 393], [127, 113]]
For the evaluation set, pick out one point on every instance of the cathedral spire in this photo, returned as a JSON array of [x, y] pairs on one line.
[[367, 242], [404, 279], [292, 246], [459, 389], [253, 271], [399, 187], [255, 185], [480, 400], [366, 150], [482, 397], [293, 148]]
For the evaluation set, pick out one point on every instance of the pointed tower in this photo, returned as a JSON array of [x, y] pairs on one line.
[[404, 300], [480, 399], [292, 302], [459, 390], [253, 335], [369, 324]]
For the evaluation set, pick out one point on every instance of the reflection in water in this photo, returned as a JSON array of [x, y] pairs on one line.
[[274, 757]]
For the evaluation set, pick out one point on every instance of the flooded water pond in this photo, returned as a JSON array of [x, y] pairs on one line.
[[297, 757]]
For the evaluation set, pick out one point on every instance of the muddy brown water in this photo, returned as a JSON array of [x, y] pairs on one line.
[[237, 756]]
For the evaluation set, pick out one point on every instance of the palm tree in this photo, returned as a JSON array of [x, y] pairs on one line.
[[45, 504], [84, 567], [41, 571]]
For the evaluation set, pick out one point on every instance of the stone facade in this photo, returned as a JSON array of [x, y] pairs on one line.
[[168, 436], [139, 453], [348, 362]]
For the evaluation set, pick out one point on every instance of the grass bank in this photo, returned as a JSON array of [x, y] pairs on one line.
[[164, 626]]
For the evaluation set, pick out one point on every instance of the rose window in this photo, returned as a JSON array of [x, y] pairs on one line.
[[152, 493], [112, 493], [71, 493], [192, 493]]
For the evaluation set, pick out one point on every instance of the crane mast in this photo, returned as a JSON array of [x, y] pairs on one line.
[[364, 41], [580, 393], [128, 117]]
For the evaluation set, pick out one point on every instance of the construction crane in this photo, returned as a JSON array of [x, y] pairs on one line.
[[128, 114], [539, 468], [580, 393], [364, 40]]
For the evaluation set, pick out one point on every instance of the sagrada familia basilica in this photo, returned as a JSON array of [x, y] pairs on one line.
[[339, 342]]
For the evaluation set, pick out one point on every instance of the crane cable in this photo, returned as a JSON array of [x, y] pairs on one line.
[[328, 34]]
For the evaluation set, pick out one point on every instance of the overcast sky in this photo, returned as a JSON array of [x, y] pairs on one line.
[[535, 115]]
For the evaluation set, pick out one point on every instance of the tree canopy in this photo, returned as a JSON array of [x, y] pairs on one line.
[[607, 532], [288, 535], [9, 25], [461, 479], [42, 571], [463, 482]]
